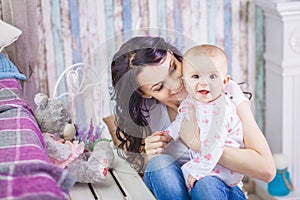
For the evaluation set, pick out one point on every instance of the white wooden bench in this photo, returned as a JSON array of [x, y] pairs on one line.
[[123, 182]]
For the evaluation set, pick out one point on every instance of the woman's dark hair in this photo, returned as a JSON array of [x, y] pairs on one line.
[[131, 109]]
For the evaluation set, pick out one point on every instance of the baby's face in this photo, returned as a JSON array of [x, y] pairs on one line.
[[204, 77]]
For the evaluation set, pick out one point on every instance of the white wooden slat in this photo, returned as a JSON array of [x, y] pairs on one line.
[[132, 185], [118, 22], [152, 13], [219, 21], [170, 15], [251, 69], [135, 15], [195, 21], [81, 191], [235, 52], [66, 31], [84, 27], [49, 49], [107, 189], [243, 40], [130, 180]]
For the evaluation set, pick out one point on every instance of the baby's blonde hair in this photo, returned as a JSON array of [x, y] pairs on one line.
[[209, 50]]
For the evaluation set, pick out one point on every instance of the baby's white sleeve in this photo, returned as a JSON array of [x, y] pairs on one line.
[[234, 93], [174, 128]]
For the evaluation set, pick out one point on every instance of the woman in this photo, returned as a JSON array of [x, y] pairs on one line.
[[146, 74]]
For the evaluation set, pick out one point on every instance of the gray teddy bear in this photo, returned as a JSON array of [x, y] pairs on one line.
[[62, 147]]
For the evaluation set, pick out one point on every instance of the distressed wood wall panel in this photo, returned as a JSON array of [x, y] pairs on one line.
[[144, 13], [243, 44], [109, 27], [161, 18], [251, 54], [126, 17], [84, 32], [170, 14], [1, 13], [57, 40], [135, 15], [228, 31], [178, 24], [211, 23], [235, 40], [91, 31], [260, 71], [93, 36], [203, 21], [219, 21], [46, 47], [41, 71], [76, 33], [152, 5], [119, 23], [67, 34], [185, 21]]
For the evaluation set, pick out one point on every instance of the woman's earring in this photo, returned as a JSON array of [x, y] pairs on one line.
[[146, 96]]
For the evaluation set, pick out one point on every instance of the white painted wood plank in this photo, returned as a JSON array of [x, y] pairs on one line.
[[131, 181], [132, 185], [152, 13], [66, 31], [203, 22], [235, 52], [118, 20], [81, 191], [251, 65], [49, 51], [107, 189], [219, 21], [196, 29]]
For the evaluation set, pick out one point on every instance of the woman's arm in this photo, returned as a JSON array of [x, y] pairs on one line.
[[256, 159], [110, 122]]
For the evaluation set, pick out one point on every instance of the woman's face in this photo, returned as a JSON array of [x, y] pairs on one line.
[[163, 81]]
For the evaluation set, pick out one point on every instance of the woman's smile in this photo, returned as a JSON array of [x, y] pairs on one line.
[[180, 93]]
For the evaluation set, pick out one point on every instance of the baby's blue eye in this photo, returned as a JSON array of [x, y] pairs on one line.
[[195, 76], [213, 76]]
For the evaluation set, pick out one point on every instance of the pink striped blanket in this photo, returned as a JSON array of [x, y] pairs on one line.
[[25, 171]]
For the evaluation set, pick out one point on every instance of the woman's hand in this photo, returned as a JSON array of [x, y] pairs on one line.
[[156, 143]]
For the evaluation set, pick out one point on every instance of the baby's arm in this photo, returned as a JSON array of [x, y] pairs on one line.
[[189, 130], [173, 129]]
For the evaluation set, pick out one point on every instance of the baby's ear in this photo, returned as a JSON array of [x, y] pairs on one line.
[[226, 79]]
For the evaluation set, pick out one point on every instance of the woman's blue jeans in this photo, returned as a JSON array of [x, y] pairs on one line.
[[164, 178]]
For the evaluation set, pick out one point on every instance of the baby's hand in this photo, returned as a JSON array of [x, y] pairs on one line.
[[167, 135], [191, 181]]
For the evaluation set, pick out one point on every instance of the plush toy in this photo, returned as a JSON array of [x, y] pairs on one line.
[[92, 167], [63, 149]]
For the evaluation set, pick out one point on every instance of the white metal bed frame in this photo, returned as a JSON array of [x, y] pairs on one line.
[[122, 182]]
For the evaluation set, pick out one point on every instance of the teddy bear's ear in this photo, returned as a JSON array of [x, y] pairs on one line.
[[41, 100]]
